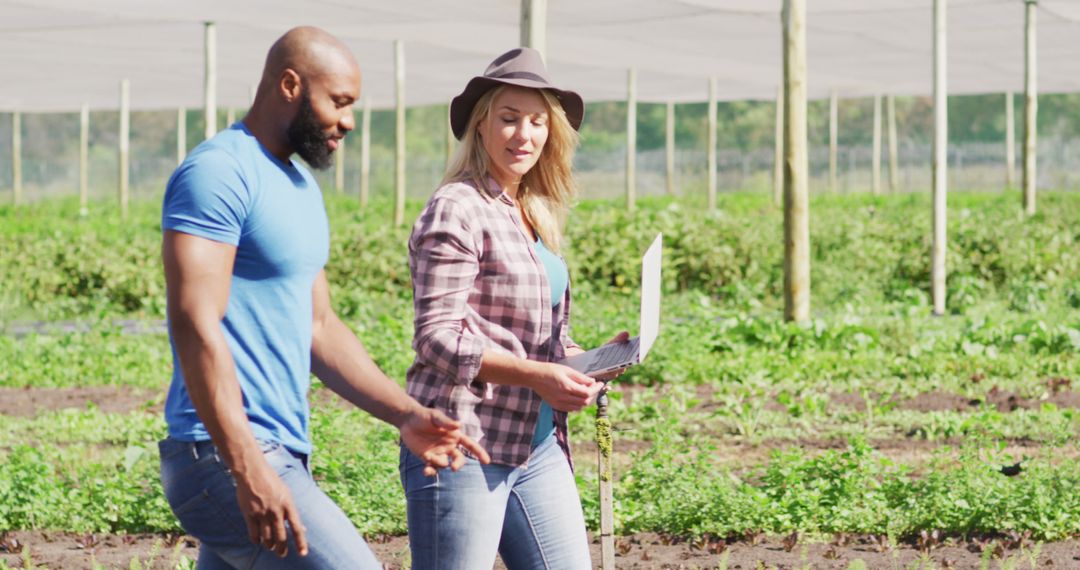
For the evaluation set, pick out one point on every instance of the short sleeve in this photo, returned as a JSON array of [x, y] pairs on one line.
[[207, 197]]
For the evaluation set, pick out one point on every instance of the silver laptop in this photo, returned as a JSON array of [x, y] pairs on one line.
[[612, 357]]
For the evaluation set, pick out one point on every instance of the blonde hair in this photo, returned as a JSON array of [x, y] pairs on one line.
[[547, 189]]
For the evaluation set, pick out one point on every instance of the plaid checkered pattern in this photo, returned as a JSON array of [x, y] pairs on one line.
[[478, 283]]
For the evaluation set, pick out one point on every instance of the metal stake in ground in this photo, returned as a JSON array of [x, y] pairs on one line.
[[607, 512]]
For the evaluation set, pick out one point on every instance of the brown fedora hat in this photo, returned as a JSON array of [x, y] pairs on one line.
[[522, 67]]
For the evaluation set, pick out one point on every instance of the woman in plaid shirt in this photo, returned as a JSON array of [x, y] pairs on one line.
[[492, 301]]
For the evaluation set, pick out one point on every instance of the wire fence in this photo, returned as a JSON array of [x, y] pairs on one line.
[[50, 164]]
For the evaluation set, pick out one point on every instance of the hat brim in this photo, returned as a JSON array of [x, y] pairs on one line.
[[461, 107]]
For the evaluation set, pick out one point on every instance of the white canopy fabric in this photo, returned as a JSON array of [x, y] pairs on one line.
[[58, 54]]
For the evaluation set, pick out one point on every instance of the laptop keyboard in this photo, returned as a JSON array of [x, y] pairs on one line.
[[614, 354]]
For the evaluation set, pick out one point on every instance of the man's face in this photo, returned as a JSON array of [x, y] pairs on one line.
[[325, 115]]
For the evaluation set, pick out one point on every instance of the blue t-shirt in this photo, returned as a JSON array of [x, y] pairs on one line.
[[230, 189], [558, 279]]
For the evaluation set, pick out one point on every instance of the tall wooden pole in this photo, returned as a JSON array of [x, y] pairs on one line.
[[534, 25], [1031, 106], [711, 158], [631, 138], [210, 79], [339, 167], [876, 161], [834, 135], [16, 156], [399, 133], [1010, 141], [84, 155], [778, 151], [125, 144], [604, 448], [669, 147], [894, 151], [940, 161], [181, 134], [451, 142], [796, 169], [365, 155]]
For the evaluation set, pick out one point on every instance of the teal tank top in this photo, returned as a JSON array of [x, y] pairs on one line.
[[558, 279]]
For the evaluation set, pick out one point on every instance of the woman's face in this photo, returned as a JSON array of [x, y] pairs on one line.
[[514, 133]]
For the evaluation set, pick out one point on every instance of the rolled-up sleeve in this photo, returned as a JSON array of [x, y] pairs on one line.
[[444, 260]]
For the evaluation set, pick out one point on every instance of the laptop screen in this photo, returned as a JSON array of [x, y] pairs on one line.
[[650, 296]]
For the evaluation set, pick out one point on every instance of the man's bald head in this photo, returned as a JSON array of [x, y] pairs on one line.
[[310, 52], [304, 102]]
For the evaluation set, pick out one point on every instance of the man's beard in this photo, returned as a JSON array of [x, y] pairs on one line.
[[307, 138]]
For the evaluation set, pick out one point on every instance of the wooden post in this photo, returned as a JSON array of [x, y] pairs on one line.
[[1010, 141], [450, 140], [876, 159], [181, 134], [834, 136], [365, 155], [796, 206], [1031, 106], [84, 154], [711, 155], [940, 161], [399, 136], [230, 116], [669, 147], [16, 156], [210, 79], [778, 151], [631, 138], [604, 446], [339, 167], [894, 151], [125, 144], [534, 25]]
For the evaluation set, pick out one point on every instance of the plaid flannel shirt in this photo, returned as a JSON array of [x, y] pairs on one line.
[[478, 284]]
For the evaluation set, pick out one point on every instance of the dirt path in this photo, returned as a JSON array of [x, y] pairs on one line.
[[25, 401], [645, 551], [28, 402]]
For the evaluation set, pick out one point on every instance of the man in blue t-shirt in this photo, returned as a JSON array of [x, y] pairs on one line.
[[245, 241]]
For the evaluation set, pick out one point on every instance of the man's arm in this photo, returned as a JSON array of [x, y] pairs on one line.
[[340, 360], [197, 275]]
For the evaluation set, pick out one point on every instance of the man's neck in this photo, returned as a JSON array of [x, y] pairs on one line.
[[268, 134]]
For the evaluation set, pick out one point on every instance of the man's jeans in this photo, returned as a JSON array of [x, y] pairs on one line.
[[531, 516], [202, 494]]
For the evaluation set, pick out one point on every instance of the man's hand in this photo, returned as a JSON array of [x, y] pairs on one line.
[[437, 440], [267, 504]]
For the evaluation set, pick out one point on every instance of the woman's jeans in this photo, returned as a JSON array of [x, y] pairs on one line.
[[530, 515], [202, 494]]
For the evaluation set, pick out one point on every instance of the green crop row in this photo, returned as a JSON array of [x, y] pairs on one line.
[[91, 480], [673, 486], [865, 251], [702, 342]]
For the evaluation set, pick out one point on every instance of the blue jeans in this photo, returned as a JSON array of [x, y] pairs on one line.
[[530, 515], [202, 494]]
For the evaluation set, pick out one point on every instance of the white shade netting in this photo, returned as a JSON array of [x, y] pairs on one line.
[[60, 54]]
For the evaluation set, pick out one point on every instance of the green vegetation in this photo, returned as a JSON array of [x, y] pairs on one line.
[[873, 417]]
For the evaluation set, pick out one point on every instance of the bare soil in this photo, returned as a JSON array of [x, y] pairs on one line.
[[121, 399], [28, 402], [56, 550]]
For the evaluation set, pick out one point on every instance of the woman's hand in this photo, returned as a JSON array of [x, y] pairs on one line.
[[620, 338], [564, 388]]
